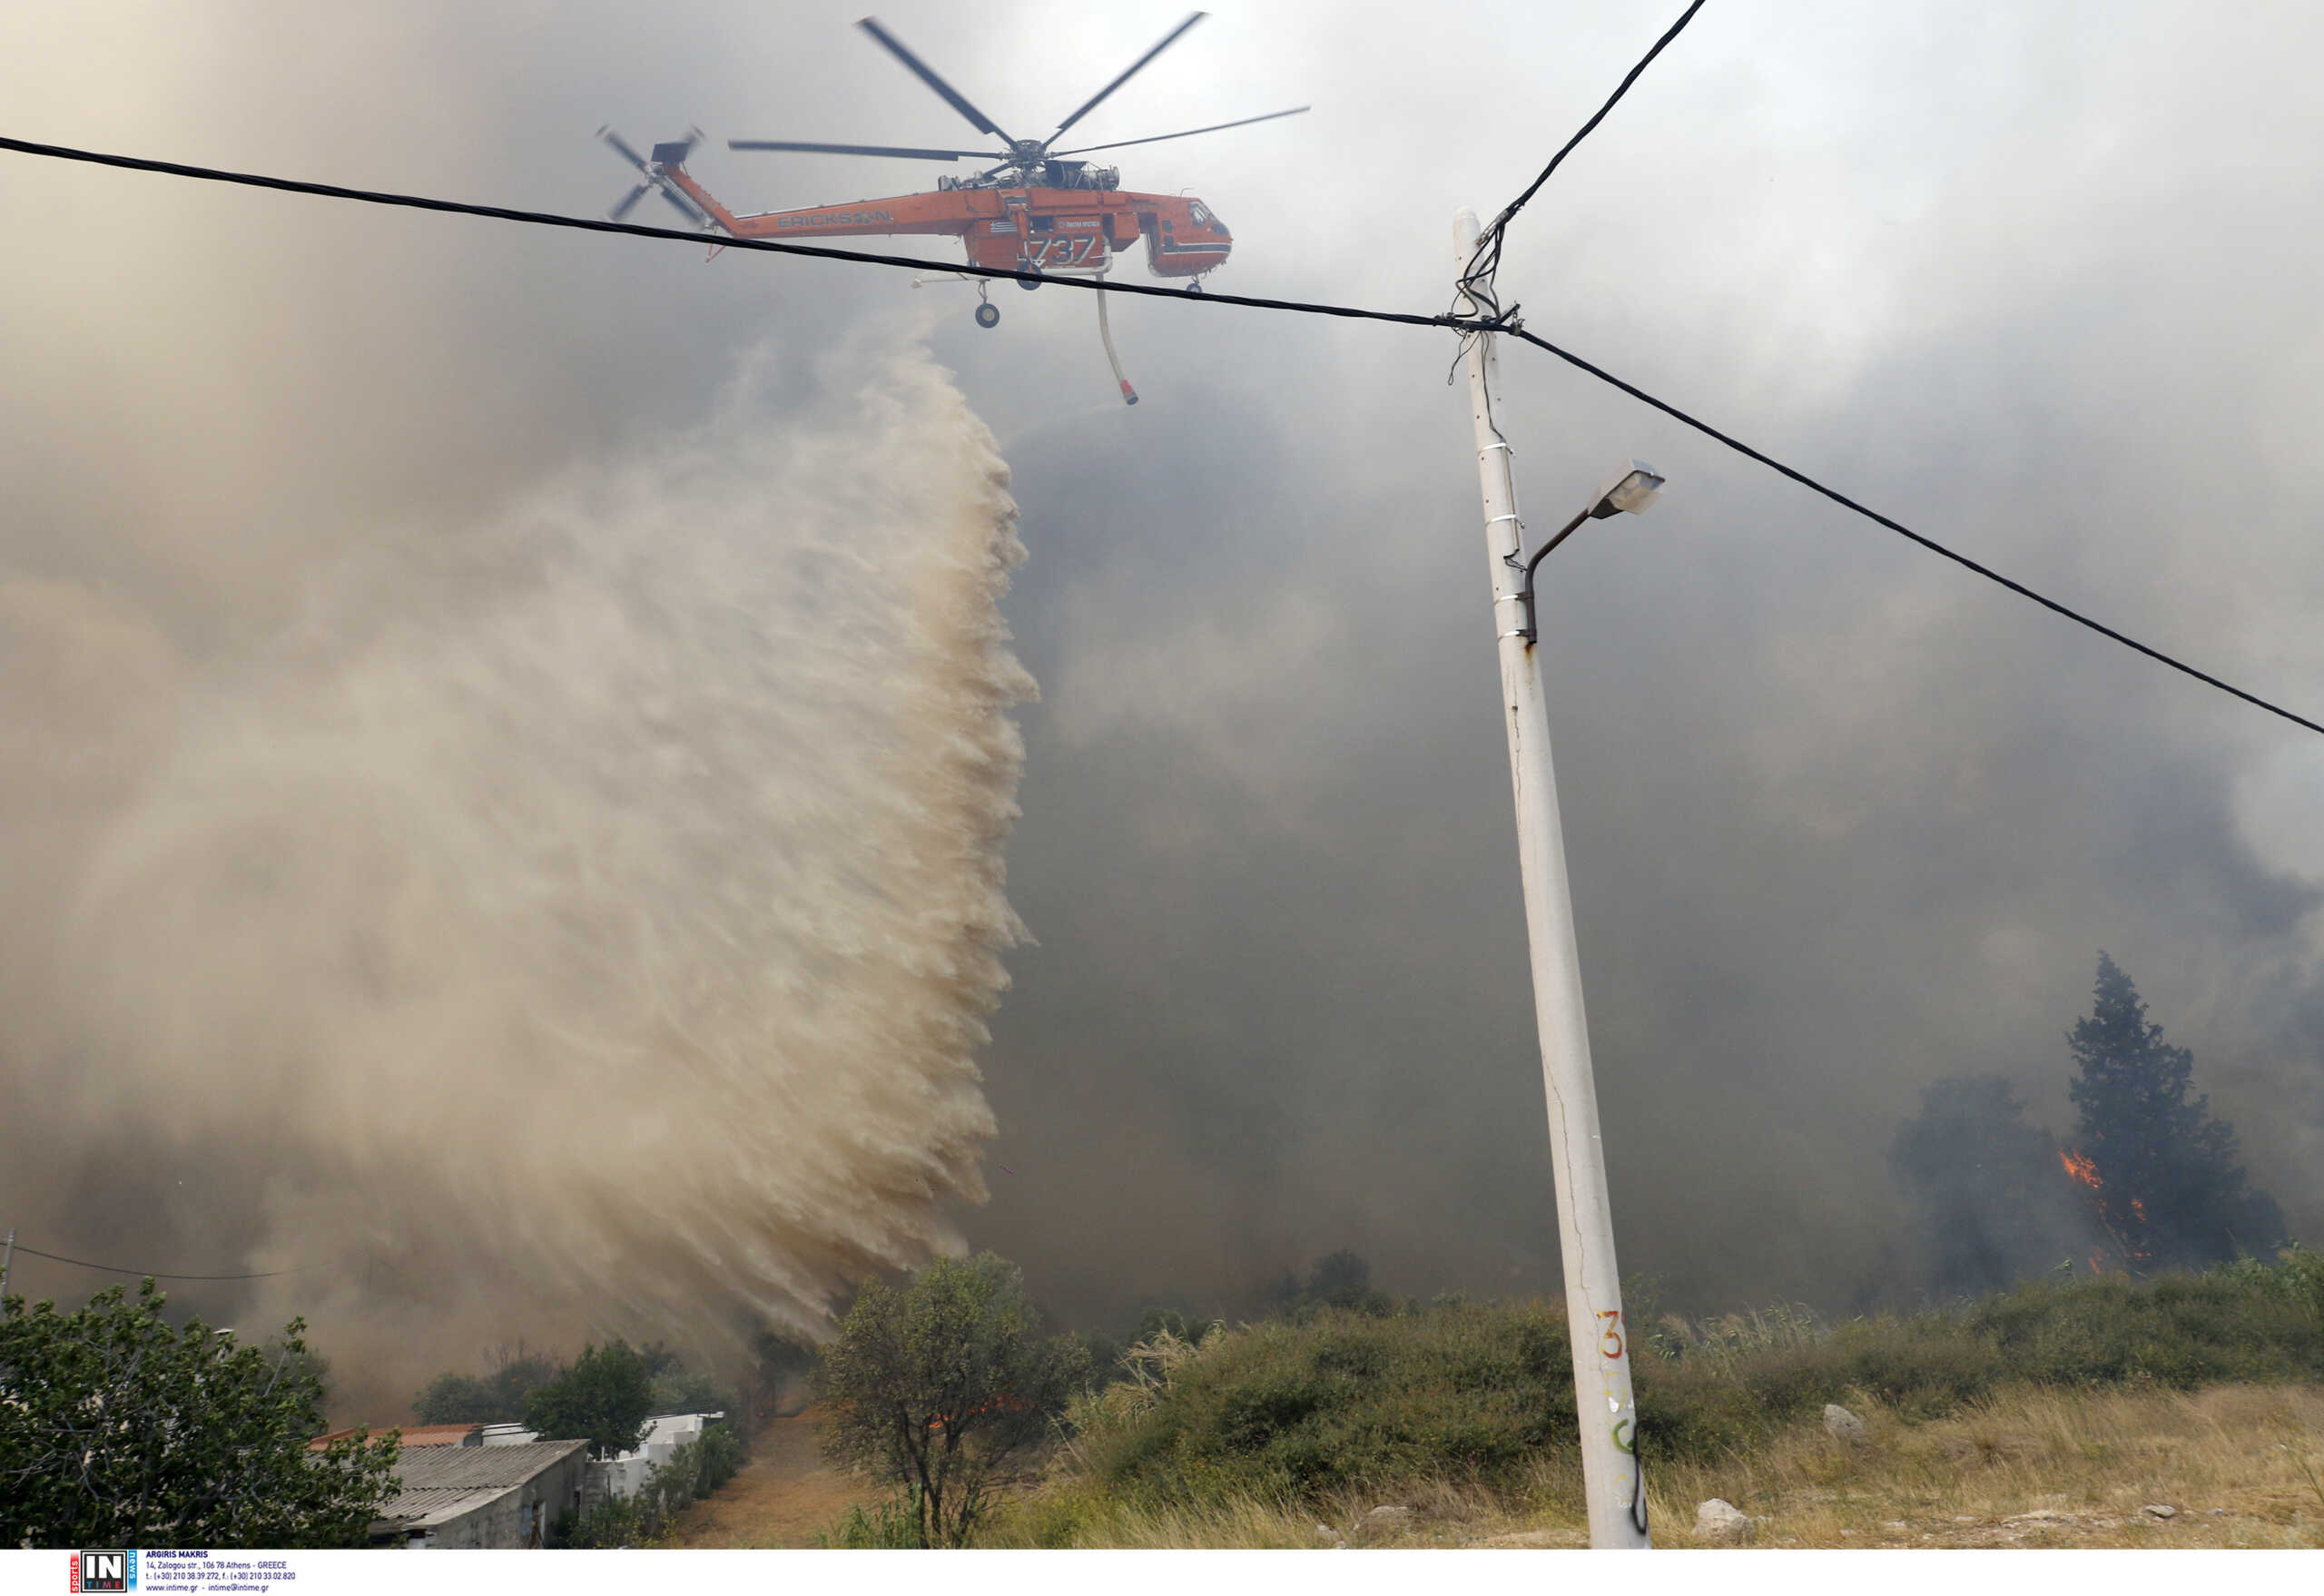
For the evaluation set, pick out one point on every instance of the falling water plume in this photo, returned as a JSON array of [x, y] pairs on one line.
[[587, 925]]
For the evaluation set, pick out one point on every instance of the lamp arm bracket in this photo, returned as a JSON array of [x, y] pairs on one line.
[[1529, 630]]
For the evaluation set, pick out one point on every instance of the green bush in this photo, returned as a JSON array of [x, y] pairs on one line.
[[1711, 1390], [1340, 1399], [494, 1397], [2244, 1322], [615, 1523], [693, 1472], [893, 1524], [1697, 1405]]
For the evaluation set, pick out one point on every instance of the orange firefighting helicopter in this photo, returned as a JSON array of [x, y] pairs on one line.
[[1035, 210]]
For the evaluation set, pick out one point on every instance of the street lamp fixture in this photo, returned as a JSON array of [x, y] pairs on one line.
[[1630, 491]]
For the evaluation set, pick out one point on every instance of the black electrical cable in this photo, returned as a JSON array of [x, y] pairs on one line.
[[154, 1273], [1836, 496], [638, 230], [1486, 259], [1502, 322]]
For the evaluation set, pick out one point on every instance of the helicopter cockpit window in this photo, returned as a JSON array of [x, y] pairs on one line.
[[1201, 213]]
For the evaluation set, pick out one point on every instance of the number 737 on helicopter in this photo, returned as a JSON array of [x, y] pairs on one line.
[[1036, 209]]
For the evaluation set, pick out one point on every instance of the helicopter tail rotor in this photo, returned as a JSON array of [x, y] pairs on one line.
[[654, 174]]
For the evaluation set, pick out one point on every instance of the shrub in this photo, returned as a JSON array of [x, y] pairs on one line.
[[1343, 1398], [693, 1472], [893, 1524], [1339, 1399], [2244, 1322], [494, 1397]]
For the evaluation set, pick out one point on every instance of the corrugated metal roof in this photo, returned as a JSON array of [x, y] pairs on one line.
[[419, 1509], [438, 1435], [441, 1483], [413, 1434], [468, 1467]]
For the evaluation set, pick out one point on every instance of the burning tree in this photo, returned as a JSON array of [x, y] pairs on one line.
[[1994, 1207], [2161, 1171]]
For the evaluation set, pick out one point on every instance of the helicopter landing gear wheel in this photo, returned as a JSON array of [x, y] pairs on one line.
[[988, 315], [1194, 287], [1027, 283]]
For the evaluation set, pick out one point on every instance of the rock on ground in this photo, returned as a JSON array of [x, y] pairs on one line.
[[1719, 1522], [1842, 1425]]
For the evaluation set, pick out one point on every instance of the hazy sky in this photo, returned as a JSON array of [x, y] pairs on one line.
[[2037, 278]]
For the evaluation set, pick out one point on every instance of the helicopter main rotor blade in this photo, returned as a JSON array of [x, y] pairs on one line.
[[1215, 127], [1137, 66], [860, 149], [628, 203], [622, 147], [927, 74]]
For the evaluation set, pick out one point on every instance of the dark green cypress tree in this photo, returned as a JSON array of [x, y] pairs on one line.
[[2171, 1191]]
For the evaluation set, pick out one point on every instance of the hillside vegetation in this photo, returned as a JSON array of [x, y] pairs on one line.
[[1260, 1434]]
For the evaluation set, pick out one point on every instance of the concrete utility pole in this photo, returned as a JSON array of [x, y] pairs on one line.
[[1600, 1338], [6, 1259]]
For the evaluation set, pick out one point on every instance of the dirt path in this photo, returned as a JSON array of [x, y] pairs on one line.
[[784, 1496]]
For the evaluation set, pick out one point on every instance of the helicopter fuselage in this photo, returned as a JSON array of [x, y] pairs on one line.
[[1033, 228]]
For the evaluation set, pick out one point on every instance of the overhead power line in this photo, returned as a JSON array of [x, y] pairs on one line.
[[155, 1273], [768, 246], [1477, 280], [1503, 323], [1934, 546]]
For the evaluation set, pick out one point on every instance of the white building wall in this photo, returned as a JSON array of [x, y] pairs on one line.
[[624, 1475]]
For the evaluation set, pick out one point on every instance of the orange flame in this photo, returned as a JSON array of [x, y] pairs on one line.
[[2138, 1209], [1001, 1403], [2082, 1167]]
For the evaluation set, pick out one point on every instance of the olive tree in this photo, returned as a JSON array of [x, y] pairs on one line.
[[603, 1399], [938, 1381], [117, 1430]]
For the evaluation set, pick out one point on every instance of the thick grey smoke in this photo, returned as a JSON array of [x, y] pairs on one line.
[[1843, 820], [584, 923]]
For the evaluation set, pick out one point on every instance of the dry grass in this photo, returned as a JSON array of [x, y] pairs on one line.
[[2244, 1465], [2240, 1464], [783, 1497], [1441, 1514]]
